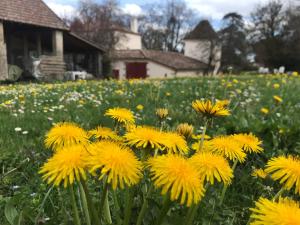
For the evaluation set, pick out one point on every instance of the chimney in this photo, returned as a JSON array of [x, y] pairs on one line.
[[134, 24]]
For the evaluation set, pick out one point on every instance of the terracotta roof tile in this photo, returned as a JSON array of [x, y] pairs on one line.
[[34, 12], [202, 31], [172, 60]]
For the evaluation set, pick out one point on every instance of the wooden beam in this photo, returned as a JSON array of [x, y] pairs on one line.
[[39, 44], [25, 48]]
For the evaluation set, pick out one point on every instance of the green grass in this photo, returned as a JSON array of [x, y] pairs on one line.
[[35, 107]]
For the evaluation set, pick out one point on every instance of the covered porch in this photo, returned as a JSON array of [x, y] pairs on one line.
[[52, 52]]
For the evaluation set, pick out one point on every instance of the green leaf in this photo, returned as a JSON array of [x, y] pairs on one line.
[[10, 213]]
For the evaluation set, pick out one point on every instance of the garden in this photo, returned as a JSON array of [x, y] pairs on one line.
[[206, 150]]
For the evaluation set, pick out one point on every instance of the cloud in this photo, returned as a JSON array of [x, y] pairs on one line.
[[61, 9], [216, 9], [132, 9]]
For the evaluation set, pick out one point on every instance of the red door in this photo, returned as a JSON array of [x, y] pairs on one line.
[[136, 70]]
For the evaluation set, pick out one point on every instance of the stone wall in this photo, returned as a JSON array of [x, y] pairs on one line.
[[3, 55]]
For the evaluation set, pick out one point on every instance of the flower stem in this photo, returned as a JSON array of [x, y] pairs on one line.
[[128, 206], [84, 204], [91, 206], [203, 135], [225, 187], [73, 202], [103, 197], [164, 210], [193, 210], [117, 207], [191, 214], [144, 206], [278, 194], [44, 202], [107, 215]]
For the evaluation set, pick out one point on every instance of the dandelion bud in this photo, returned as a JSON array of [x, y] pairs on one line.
[[277, 99], [162, 113], [185, 130]]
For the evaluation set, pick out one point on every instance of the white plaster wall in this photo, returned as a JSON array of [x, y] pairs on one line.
[[188, 73], [199, 50], [127, 41], [155, 70], [121, 66]]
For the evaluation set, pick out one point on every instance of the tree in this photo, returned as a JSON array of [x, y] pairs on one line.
[[234, 46], [96, 22], [291, 49], [164, 24], [267, 33]]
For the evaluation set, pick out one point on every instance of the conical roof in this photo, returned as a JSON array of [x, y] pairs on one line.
[[203, 31]]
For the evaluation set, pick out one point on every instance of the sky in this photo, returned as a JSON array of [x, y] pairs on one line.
[[213, 10]]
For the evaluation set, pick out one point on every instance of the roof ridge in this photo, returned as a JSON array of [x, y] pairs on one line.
[[63, 22], [31, 12]]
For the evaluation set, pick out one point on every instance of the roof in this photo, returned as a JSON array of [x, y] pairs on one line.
[[86, 41], [172, 60], [33, 12], [203, 31], [120, 28]]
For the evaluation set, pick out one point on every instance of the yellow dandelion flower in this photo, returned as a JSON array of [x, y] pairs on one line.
[[121, 115], [283, 212], [206, 147], [223, 103], [207, 108], [199, 137], [129, 127], [184, 129], [177, 176], [65, 166], [162, 113], [285, 169], [144, 137], [264, 111], [174, 143], [103, 133], [65, 135], [226, 146], [277, 99], [140, 107], [259, 173], [249, 142], [276, 86], [239, 91], [212, 167], [118, 163]]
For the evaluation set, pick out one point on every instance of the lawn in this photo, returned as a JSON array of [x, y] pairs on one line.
[[28, 111]]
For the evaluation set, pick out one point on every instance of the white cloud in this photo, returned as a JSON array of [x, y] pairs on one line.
[[132, 9], [216, 9], [61, 9]]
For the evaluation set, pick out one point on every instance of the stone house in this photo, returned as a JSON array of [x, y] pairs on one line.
[[130, 60], [30, 31]]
